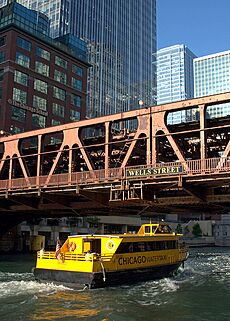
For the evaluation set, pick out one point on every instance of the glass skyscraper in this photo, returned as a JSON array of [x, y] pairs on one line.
[[212, 76], [175, 79], [121, 38], [58, 11]]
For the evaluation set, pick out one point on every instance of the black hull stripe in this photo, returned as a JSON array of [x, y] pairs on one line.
[[95, 280]]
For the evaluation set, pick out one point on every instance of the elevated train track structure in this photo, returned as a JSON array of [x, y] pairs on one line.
[[101, 166]]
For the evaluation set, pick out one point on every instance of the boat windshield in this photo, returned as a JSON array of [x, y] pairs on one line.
[[150, 229], [163, 229]]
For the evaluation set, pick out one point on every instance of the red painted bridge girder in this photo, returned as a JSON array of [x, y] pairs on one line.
[[111, 144]]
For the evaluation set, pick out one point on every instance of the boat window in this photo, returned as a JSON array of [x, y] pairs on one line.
[[147, 229], [167, 229], [159, 230], [126, 247], [148, 246], [163, 229], [139, 247], [93, 246], [96, 246], [153, 229], [130, 247]]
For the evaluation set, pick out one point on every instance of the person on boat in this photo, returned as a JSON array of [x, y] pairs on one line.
[[88, 256], [42, 251]]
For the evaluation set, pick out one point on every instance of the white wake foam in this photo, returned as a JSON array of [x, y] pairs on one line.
[[23, 287]]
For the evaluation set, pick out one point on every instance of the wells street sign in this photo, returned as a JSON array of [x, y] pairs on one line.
[[152, 171]]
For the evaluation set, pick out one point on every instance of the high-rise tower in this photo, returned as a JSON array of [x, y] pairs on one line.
[[212, 76], [121, 38], [175, 78]]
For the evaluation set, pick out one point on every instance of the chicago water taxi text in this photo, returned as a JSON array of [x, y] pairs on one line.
[[141, 259]]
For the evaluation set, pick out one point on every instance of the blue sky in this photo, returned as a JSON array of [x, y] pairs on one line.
[[202, 25]]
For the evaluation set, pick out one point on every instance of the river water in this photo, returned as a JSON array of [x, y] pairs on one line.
[[199, 292]]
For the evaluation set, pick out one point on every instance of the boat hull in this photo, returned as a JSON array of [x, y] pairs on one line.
[[100, 280]]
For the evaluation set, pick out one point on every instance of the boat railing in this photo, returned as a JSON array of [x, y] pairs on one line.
[[51, 255], [46, 255]]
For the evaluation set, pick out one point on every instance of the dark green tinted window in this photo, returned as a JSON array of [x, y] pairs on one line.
[[23, 43], [18, 114]]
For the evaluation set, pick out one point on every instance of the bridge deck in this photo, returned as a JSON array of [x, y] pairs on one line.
[[101, 166]]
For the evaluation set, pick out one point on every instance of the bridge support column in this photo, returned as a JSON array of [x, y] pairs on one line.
[[70, 165], [11, 168], [107, 139], [39, 160], [202, 133]]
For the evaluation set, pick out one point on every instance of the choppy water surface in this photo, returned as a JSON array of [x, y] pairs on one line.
[[200, 292]]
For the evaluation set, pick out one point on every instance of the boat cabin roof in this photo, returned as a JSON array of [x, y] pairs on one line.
[[145, 230], [154, 229]]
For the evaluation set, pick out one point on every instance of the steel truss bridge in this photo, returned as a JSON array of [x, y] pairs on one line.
[[128, 163]]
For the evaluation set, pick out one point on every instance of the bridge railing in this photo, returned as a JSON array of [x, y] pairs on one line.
[[210, 165], [188, 168]]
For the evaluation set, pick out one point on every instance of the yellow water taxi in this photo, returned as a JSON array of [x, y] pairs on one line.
[[96, 261]]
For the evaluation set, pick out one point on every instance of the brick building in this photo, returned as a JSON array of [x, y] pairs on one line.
[[42, 80]]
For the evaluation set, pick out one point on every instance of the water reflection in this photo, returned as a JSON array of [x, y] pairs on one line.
[[66, 305]]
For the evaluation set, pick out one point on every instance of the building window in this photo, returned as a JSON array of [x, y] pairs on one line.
[[2, 56], [43, 53], [77, 70], [39, 102], [19, 95], [58, 110], [76, 100], [60, 76], [18, 114], [2, 41], [16, 130], [24, 44], [60, 62], [77, 84], [38, 121], [74, 115], [41, 86], [55, 122], [22, 60], [59, 93], [0, 92], [21, 78], [41, 68], [1, 74]]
